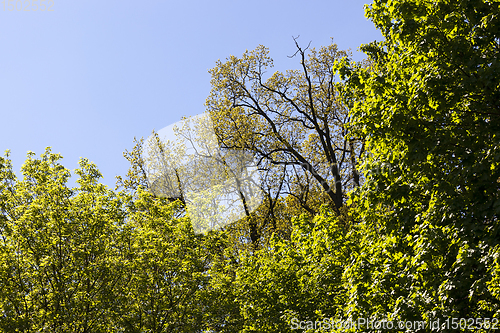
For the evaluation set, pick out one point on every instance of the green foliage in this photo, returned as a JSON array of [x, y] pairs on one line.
[[428, 108], [136, 175], [419, 240], [299, 278], [87, 259], [60, 259], [166, 270]]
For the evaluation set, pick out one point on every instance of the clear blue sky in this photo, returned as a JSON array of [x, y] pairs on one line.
[[91, 75]]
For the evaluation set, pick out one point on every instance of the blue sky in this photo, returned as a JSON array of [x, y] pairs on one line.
[[89, 76]]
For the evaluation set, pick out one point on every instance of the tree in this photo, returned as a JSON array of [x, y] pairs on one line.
[[136, 175], [61, 249], [296, 280], [429, 110], [87, 259], [292, 123], [167, 284]]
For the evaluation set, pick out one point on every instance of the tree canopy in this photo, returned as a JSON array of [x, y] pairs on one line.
[[429, 111], [293, 122], [382, 182]]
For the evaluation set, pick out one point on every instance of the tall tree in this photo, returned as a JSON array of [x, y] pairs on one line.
[[293, 123], [429, 109]]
